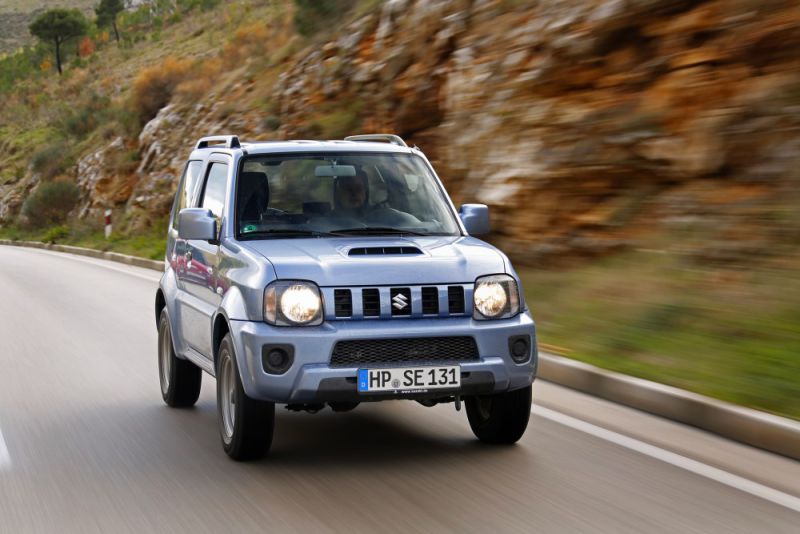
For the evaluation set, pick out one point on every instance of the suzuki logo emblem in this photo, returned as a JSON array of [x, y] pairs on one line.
[[399, 301]]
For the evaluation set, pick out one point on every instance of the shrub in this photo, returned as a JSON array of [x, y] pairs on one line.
[[86, 47], [200, 80], [52, 159], [86, 116], [55, 234], [340, 122], [250, 35], [271, 122], [50, 203], [314, 15], [154, 86]]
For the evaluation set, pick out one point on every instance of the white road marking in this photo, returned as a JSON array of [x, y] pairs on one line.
[[729, 479], [5, 457]]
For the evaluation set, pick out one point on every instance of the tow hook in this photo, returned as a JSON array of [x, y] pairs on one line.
[[458, 403]]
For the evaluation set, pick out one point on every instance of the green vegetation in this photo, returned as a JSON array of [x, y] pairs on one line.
[[57, 26], [16, 16], [150, 244], [107, 12], [155, 85], [50, 203], [312, 16], [338, 123], [727, 333]]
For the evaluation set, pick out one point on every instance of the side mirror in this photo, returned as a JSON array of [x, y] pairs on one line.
[[475, 218], [197, 223]]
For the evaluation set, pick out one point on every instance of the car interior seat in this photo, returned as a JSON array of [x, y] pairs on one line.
[[253, 195]]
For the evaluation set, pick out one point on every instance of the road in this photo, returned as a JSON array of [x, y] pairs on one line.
[[86, 444]]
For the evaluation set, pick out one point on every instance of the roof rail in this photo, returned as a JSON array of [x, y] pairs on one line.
[[378, 138], [230, 141]]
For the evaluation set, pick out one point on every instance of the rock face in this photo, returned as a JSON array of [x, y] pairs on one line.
[[575, 121], [586, 126]]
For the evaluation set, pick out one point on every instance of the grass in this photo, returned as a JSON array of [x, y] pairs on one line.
[[150, 244], [726, 333]]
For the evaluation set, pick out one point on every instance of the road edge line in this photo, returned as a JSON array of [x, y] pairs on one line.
[[710, 472], [5, 456]]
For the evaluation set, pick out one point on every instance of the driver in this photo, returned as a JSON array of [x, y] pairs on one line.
[[351, 194]]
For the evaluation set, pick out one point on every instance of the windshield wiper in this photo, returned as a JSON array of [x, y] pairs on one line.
[[374, 230], [283, 232]]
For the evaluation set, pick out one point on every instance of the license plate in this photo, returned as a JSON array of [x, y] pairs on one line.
[[409, 379]]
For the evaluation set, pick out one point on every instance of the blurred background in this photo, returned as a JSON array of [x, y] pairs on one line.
[[640, 157]]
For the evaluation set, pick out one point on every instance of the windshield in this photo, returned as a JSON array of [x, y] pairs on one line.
[[332, 194]]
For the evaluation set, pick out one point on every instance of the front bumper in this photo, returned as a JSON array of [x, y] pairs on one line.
[[311, 379]]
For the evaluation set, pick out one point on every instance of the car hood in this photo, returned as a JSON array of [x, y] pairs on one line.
[[330, 262]]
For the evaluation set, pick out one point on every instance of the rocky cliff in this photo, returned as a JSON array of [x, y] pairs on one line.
[[586, 125]]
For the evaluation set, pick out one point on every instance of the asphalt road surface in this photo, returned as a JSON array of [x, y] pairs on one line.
[[86, 444]]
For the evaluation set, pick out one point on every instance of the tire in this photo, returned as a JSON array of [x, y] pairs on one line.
[[245, 425], [342, 407], [180, 379], [500, 419]]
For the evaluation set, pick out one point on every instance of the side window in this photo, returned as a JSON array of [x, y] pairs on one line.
[[184, 195], [214, 193]]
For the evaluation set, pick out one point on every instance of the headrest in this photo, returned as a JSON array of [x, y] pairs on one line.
[[250, 182]]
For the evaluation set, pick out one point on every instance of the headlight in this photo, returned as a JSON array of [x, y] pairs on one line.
[[292, 303], [495, 297]]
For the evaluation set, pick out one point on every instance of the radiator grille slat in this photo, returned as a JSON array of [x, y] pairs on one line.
[[371, 302], [455, 299], [430, 301], [343, 303]]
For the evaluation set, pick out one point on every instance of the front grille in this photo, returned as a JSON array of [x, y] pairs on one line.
[[404, 302], [343, 303], [455, 299], [430, 301], [371, 302], [408, 350]]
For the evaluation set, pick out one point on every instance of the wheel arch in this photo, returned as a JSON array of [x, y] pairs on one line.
[[161, 303], [220, 329]]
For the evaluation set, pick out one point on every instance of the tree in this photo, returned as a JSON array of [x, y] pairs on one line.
[[107, 12], [57, 26]]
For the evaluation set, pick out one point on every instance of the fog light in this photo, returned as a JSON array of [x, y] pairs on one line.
[[520, 348], [277, 359]]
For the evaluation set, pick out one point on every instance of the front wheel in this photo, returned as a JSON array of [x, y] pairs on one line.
[[245, 425], [501, 418], [180, 379]]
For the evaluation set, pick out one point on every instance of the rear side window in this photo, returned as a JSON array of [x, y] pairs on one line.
[[184, 195], [214, 194]]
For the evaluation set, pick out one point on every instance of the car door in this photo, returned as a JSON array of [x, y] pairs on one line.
[[201, 290]]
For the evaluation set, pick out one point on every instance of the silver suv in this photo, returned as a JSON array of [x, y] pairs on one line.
[[314, 273]]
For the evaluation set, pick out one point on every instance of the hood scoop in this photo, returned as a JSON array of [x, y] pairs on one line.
[[384, 251]]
